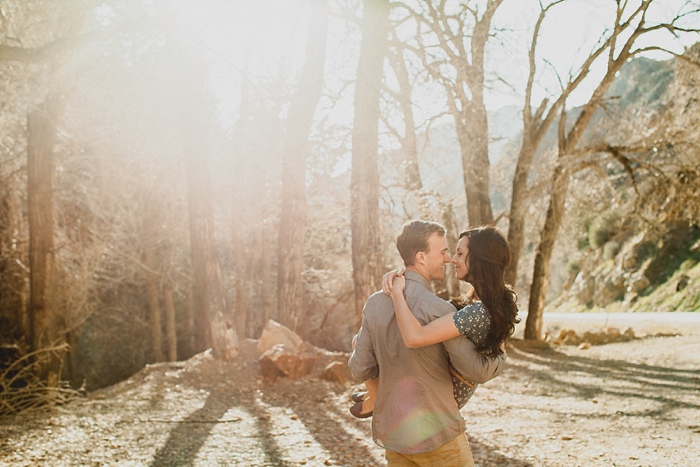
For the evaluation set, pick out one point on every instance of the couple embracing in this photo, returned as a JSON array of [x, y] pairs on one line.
[[420, 357]]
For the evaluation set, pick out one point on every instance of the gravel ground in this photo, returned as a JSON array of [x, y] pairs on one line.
[[625, 404]]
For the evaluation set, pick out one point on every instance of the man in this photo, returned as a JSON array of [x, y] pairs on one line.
[[416, 418]]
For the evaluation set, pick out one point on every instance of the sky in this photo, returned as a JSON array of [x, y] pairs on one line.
[[256, 36], [569, 33]]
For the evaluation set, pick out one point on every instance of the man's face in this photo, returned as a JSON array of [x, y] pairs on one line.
[[461, 258], [436, 257]]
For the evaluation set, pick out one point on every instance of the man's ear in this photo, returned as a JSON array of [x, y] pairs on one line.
[[420, 257]]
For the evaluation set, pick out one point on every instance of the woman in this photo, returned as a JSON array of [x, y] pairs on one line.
[[488, 320]]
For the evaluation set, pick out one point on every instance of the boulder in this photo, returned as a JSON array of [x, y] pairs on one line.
[[568, 337], [637, 283], [337, 372], [610, 289], [274, 333], [585, 285], [280, 360], [595, 338]]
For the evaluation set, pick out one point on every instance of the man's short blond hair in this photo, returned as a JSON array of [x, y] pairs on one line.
[[414, 238]]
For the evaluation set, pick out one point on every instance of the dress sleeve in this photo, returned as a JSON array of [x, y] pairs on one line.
[[473, 322]]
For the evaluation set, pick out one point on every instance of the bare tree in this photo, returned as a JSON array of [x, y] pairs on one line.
[[170, 331], [215, 327], [412, 181], [364, 185], [536, 122], [152, 264], [44, 327], [292, 226], [214, 320], [408, 140], [630, 25], [457, 40]]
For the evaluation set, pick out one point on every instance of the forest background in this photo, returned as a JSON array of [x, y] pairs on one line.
[[175, 174]]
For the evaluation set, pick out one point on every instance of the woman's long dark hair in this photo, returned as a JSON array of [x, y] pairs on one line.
[[489, 256]]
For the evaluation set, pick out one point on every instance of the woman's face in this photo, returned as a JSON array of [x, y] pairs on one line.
[[461, 258]]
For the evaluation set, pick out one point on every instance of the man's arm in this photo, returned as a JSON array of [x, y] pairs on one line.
[[363, 362], [472, 364]]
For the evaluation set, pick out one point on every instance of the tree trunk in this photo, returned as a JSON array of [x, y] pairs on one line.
[[471, 122], [560, 183], [198, 251], [192, 331], [214, 326], [409, 145], [13, 288], [241, 281], [41, 136], [155, 317], [213, 321], [268, 300], [151, 259], [238, 210], [541, 272], [518, 209], [170, 330], [292, 227], [475, 164], [364, 185], [448, 220]]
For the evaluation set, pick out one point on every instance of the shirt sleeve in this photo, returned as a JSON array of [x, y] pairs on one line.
[[472, 364], [363, 362]]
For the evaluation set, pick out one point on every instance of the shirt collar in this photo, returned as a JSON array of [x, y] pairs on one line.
[[414, 276]]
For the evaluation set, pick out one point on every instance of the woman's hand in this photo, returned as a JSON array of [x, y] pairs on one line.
[[388, 280], [399, 285]]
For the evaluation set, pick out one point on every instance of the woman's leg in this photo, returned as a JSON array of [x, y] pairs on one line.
[[372, 386], [365, 408]]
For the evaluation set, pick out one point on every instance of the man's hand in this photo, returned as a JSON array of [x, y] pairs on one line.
[[388, 280]]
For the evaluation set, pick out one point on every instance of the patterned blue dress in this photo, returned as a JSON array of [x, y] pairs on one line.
[[473, 322]]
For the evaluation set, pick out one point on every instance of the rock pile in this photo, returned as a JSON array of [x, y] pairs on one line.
[[606, 336], [284, 353]]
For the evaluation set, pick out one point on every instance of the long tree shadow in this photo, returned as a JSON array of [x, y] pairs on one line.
[[494, 458], [335, 442], [546, 364], [189, 435]]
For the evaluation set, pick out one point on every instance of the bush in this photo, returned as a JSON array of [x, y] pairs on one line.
[[611, 249], [603, 228], [21, 384], [572, 267], [582, 243]]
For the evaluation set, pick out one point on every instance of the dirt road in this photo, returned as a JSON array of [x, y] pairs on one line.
[[641, 323], [626, 404]]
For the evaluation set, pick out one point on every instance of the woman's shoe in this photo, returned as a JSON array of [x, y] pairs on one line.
[[356, 411], [358, 396]]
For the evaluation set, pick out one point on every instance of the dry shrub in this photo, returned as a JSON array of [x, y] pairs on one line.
[[22, 388]]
